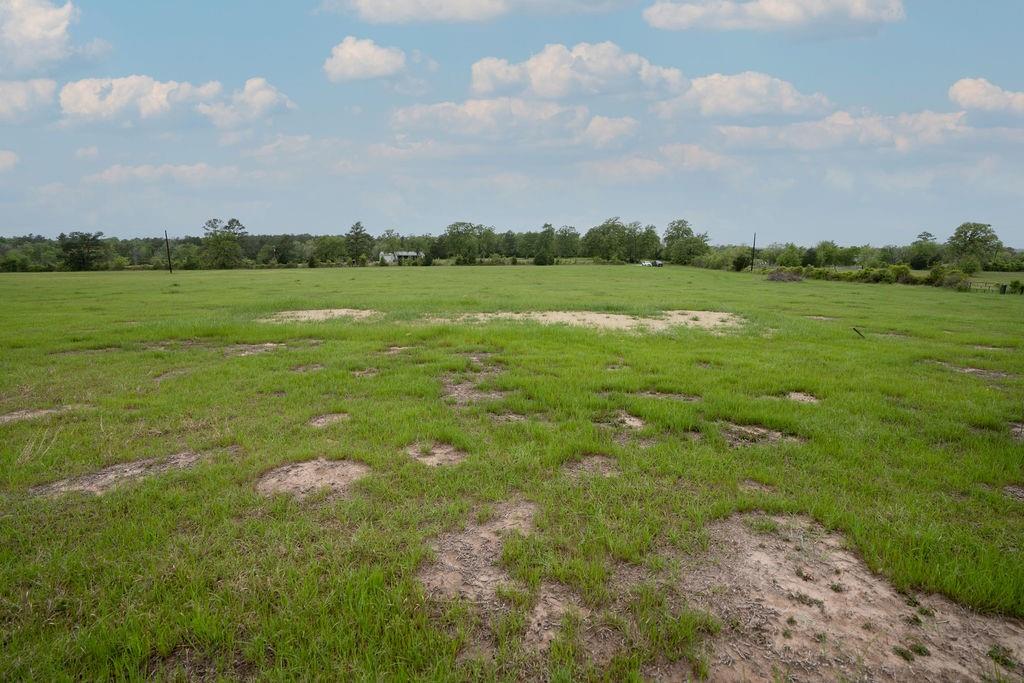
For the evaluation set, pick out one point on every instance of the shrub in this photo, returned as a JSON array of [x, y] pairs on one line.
[[741, 262], [1017, 287], [782, 275]]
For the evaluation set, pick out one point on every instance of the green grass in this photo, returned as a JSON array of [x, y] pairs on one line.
[[905, 456]]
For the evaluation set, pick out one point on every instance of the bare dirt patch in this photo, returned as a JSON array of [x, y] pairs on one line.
[[627, 421], [35, 413], [464, 391], [1017, 431], [303, 478], [796, 605], [820, 317], [170, 374], [684, 398], [188, 664], [553, 603], [508, 418], [251, 349], [802, 397], [468, 561], [1016, 493], [319, 315], [329, 419], [395, 350], [976, 372], [302, 369], [591, 466], [365, 372], [107, 478], [753, 486], [707, 320], [737, 435], [436, 454]]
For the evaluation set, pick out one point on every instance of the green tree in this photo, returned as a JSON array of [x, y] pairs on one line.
[[682, 244], [545, 253], [973, 239], [81, 250], [222, 243], [567, 242], [358, 244], [330, 249]]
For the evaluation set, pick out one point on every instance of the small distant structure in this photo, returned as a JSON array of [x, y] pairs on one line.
[[392, 257]]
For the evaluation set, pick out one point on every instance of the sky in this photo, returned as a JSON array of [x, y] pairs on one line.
[[860, 121]]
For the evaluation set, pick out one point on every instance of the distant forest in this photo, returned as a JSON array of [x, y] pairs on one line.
[[227, 244]]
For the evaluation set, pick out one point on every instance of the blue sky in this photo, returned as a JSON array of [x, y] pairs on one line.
[[853, 120]]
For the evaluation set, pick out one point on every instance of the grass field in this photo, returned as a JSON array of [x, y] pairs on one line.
[[194, 572]]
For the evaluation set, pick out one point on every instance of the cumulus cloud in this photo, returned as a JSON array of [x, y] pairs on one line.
[[186, 174], [355, 59], [743, 94], [8, 160], [34, 33], [978, 93], [282, 145], [902, 132], [405, 11], [19, 97], [256, 100], [589, 68], [492, 117], [769, 15], [107, 98], [603, 131]]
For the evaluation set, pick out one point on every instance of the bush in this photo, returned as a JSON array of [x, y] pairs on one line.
[[1017, 287], [741, 262], [970, 265], [783, 275]]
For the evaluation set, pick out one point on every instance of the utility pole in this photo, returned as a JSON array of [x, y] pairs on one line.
[[167, 243], [753, 253]]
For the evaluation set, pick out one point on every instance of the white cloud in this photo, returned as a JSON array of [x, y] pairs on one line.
[[19, 97], [34, 33], [632, 169], [107, 98], [492, 117], [695, 158], [404, 11], [421, 149], [603, 131], [87, 152], [187, 174], [978, 93], [283, 145], [256, 100], [590, 68], [354, 59], [768, 15], [8, 160], [743, 94], [901, 132]]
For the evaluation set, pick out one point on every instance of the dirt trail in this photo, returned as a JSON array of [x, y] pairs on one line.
[[109, 477]]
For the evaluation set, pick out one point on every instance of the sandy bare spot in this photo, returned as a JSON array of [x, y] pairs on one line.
[[35, 413], [820, 317], [436, 454], [1017, 431], [109, 477], [1016, 493], [553, 603], [685, 398], [328, 419], [976, 372], [985, 347], [303, 478], [395, 350], [795, 604], [468, 561], [465, 391], [802, 397], [508, 418], [752, 435], [627, 421], [313, 367], [754, 486], [591, 466], [252, 349], [365, 372], [319, 315], [707, 320]]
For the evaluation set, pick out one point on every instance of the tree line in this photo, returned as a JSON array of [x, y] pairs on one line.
[[228, 244]]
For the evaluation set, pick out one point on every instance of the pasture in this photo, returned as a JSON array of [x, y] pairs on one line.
[[425, 492]]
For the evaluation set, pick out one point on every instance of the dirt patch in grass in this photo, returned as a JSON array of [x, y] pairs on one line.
[[314, 367], [436, 454], [171, 374], [820, 317], [319, 315], [1017, 494], [395, 350], [795, 604], [252, 349], [591, 466], [1017, 431], [685, 398], [625, 420], [508, 418], [303, 478], [737, 435], [185, 663], [35, 413], [753, 486], [329, 419], [464, 391], [802, 397], [707, 320], [365, 372], [976, 372], [109, 477], [553, 603], [984, 347], [468, 561]]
